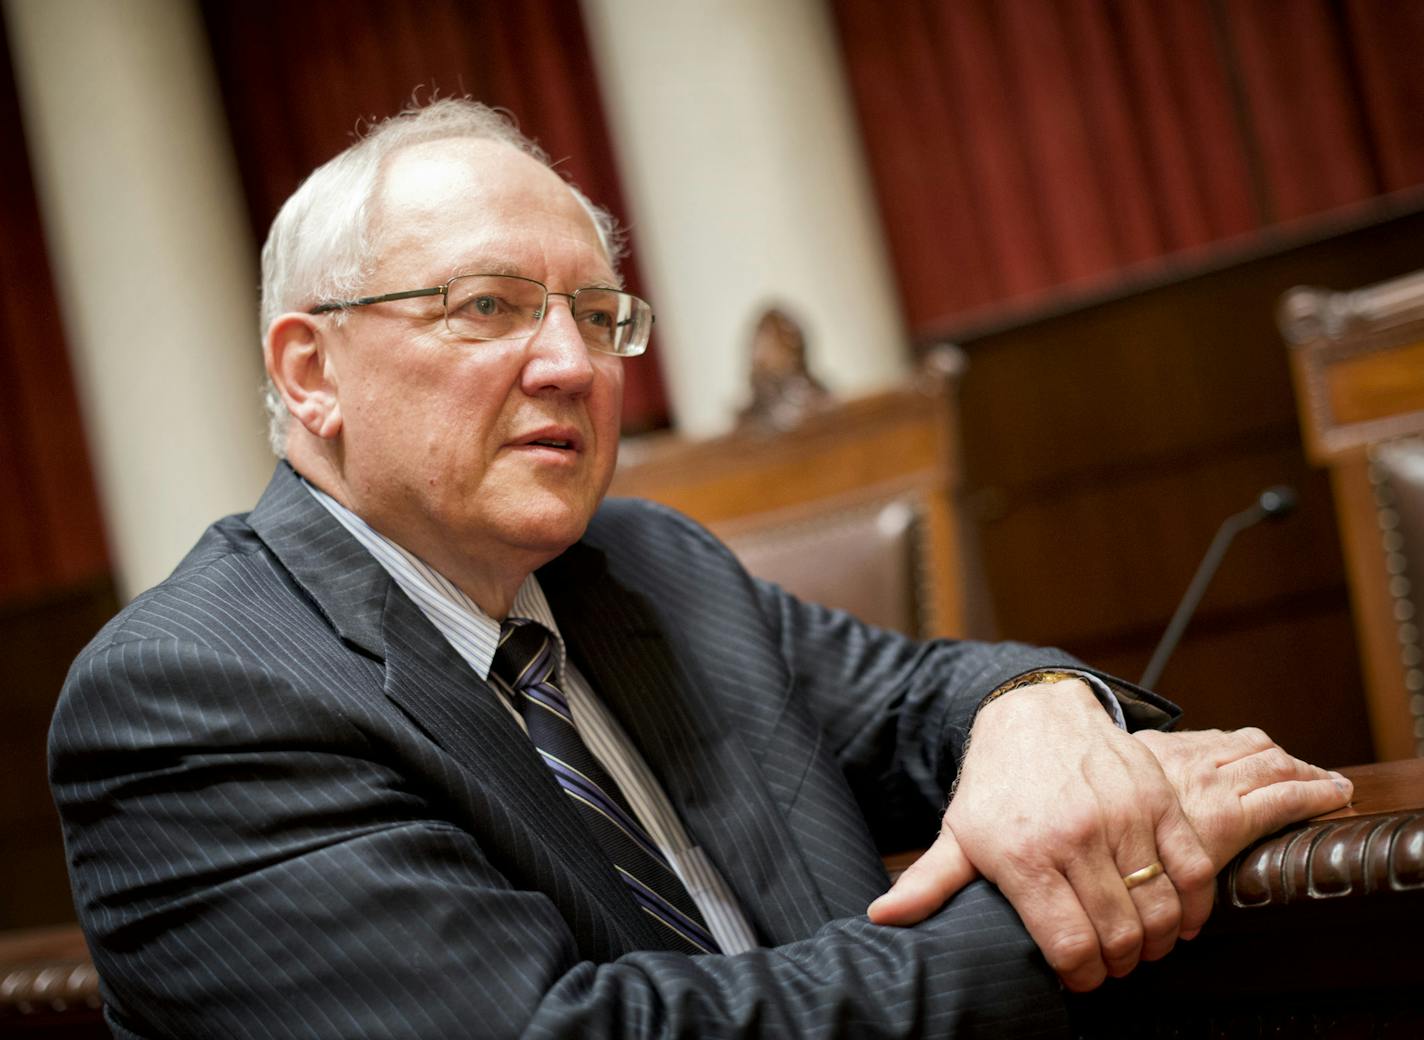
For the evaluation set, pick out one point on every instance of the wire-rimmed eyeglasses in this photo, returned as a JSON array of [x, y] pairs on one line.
[[508, 306]]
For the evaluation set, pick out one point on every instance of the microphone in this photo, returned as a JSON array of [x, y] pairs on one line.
[[1275, 503]]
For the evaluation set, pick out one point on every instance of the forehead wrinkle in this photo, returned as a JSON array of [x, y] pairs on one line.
[[536, 227]]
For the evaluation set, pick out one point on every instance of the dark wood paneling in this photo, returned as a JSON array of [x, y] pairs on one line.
[[1106, 440], [1282, 666], [38, 640], [1128, 542]]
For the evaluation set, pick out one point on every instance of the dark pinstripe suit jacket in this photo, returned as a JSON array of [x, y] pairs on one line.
[[291, 810]]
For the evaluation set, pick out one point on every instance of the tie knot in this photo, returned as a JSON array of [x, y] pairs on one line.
[[525, 655]]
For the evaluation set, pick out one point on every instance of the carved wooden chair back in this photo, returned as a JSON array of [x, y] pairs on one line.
[[1358, 363], [855, 507]]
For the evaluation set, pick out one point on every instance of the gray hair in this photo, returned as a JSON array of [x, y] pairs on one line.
[[321, 245]]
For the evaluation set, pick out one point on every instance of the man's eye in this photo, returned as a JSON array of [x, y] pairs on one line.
[[602, 319], [485, 305]]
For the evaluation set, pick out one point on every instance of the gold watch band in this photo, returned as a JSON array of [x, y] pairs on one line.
[[1041, 677]]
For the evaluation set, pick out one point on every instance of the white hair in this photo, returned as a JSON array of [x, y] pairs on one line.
[[321, 245]]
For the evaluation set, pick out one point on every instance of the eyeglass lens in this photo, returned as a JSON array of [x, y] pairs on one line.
[[508, 307]]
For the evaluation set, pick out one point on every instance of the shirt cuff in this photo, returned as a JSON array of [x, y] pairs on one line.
[[1105, 697]]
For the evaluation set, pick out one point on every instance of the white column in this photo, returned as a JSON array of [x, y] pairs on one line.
[[744, 173], [153, 260]]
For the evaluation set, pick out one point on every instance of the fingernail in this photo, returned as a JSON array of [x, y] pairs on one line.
[[1344, 785]]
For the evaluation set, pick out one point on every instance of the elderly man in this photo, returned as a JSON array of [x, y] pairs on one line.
[[436, 742]]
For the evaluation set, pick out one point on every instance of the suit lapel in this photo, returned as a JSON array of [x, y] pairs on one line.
[[704, 767], [462, 714], [347, 584], [429, 681]]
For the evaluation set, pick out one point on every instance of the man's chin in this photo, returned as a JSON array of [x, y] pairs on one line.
[[549, 531]]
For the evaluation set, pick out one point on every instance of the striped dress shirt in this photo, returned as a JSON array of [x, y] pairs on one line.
[[474, 635]]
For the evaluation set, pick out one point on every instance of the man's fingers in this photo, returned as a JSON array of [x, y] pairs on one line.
[[926, 885], [1272, 807], [1160, 908], [1060, 927], [1190, 868], [1197, 902], [1270, 766], [1231, 745], [1112, 909], [1232, 788]]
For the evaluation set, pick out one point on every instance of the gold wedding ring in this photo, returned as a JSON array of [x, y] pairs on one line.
[[1146, 874]]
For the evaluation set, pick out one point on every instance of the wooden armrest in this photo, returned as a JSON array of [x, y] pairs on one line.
[[48, 984], [1317, 932], [1374, 844]]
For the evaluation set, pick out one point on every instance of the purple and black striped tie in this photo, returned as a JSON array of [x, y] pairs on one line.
[[525, 663]]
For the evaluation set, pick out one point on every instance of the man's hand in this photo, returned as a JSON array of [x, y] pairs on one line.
[[1238, 786], [1056, 805]]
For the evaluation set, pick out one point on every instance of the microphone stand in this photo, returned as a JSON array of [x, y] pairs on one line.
[[1272, 504]]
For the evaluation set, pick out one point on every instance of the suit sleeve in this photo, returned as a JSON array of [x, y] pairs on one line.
[[897, 712], [250, 862], [893, 712]]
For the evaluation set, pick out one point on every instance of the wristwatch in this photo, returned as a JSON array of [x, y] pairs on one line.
[[1048, 676]]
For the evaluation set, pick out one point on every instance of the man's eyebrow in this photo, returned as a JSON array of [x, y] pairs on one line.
[[504, 267], [488, 267]]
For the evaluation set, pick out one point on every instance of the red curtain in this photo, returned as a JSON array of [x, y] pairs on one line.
[[1312, 136], [1021, 145], [51, 531], [299, 76], [1387, 47]]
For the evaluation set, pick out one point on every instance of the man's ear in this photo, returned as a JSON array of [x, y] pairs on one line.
[[296, 353]]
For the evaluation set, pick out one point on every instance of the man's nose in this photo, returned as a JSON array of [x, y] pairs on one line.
[[558, 357]]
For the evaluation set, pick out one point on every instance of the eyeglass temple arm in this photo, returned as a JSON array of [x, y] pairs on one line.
[[337, 305]]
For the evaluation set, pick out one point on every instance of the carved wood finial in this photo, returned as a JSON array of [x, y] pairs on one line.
[[784, 392]]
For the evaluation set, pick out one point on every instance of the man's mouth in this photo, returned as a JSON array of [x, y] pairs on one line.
[[557, 438]]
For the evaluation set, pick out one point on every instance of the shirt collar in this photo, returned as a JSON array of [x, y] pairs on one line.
[[470, 631]]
